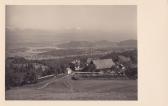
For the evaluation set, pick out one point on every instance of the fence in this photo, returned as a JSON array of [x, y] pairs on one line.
[[97, 75]]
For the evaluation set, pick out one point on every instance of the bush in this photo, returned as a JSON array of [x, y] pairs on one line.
[[131, 73], [30, 78]]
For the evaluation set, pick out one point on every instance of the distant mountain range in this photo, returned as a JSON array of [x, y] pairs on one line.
[[68, 38], [97, 44]]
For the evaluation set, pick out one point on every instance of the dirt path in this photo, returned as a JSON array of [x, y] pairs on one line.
[[66, 79]]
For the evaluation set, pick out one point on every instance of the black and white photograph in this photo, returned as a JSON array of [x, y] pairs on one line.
[[71, 52]]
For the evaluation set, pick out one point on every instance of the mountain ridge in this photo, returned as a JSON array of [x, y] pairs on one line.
[[101, 43]]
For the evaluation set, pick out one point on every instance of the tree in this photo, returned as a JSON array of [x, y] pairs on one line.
[[91, 67], [131, 72], [72, 66], [30, 77]]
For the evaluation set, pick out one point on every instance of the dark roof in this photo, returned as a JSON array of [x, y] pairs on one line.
[[103, 63]]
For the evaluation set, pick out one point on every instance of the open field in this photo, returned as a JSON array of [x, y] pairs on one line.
[[65, 89]]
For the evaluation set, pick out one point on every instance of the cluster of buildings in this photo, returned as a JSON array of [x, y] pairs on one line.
[[100, 65]]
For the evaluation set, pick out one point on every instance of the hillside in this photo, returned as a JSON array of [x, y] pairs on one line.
[[76, 90], [128, 43], [101, 43]]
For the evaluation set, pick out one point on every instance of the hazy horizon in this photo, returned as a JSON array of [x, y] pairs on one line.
[[35, 23]]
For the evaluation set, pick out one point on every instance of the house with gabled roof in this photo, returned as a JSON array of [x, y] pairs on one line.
[[102, 64]]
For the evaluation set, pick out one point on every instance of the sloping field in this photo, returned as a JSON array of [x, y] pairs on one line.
[[65, 89]]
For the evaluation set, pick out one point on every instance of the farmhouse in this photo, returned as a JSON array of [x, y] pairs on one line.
[[103, 65]]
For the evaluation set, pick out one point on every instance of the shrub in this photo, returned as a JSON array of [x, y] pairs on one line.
[[131, 73]]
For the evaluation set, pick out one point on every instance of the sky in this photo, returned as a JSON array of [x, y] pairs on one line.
[[103, 18]]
